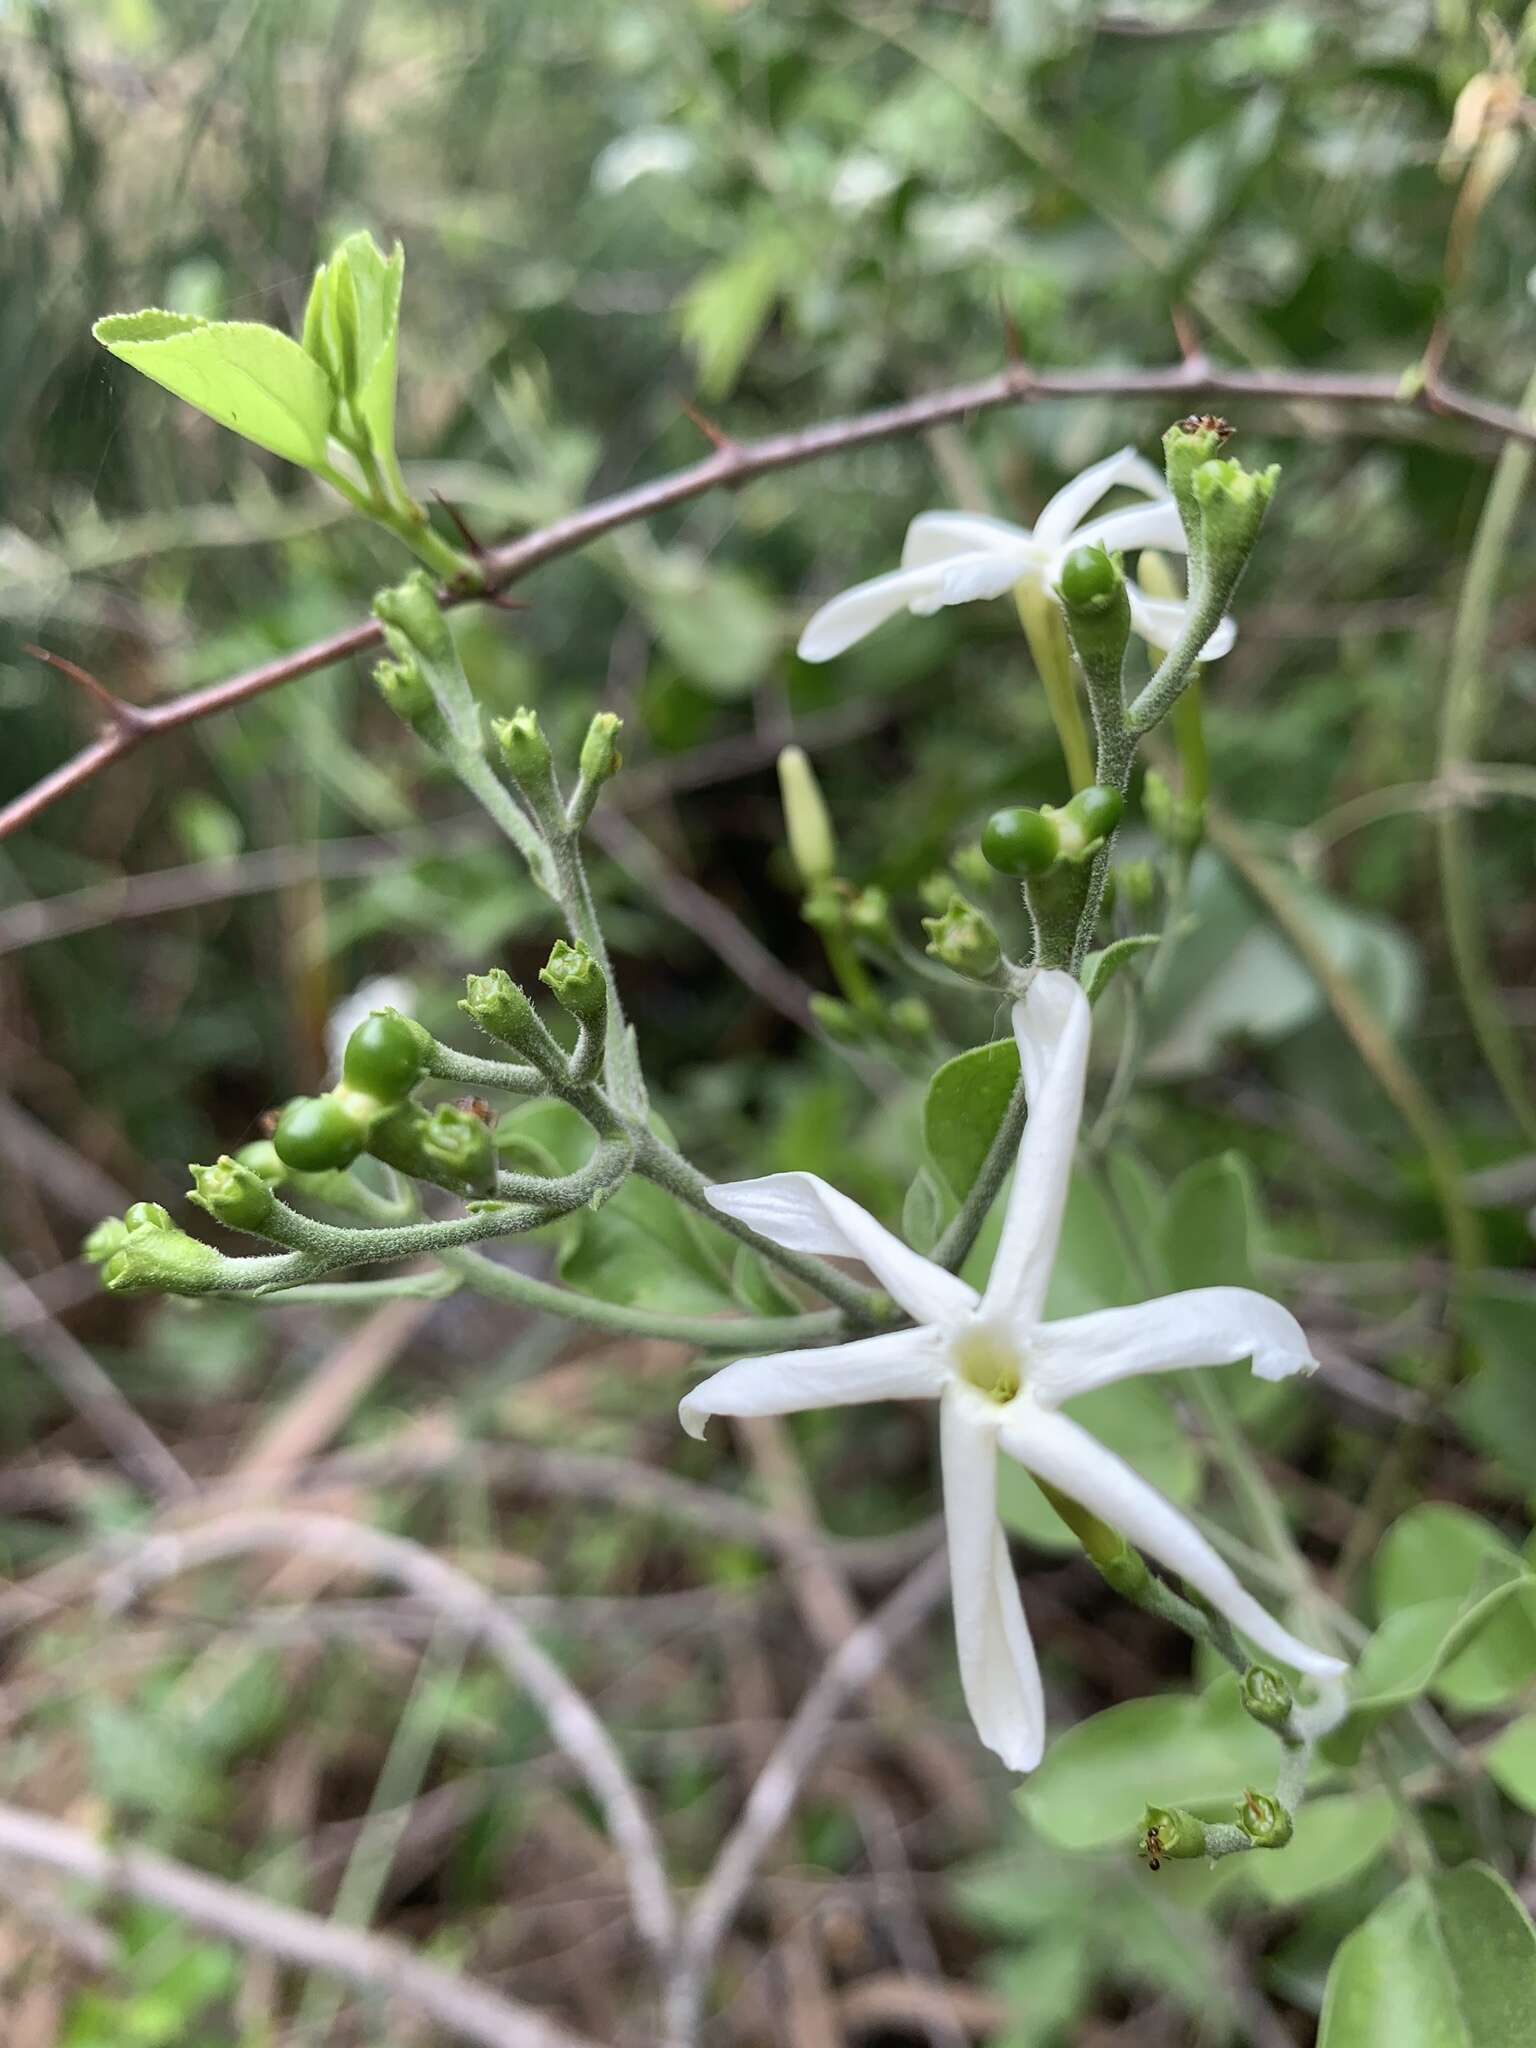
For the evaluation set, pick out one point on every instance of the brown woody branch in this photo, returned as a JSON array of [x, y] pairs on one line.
[[738, 462]]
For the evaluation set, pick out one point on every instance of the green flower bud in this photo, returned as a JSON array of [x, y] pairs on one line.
[[600, 758], [500, 1008], [523, 748], [1137, 882], [935, 890], [963, 939], [1090, 579], [404, 689], [842, 1023], [450, 1147], [1021, 842], [972, 866], [1232, 503], [318, 1132], [869, 916], [826, 907], [160, 1258], [910, 1017], [1180, 820], [1266, 1696], [109, 1236], [386, 1055], [1264, 1820], [1090, 816], [576, 982], [812, 843], [234, 1195], [1171, 1832], [1186, 445], [147, 1216], [413, 621]]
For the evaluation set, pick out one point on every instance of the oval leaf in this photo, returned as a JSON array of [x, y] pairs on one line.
[[249, 378], [967, 1100]]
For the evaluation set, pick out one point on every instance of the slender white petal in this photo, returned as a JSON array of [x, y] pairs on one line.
[[964, 579], [1206, 1326], [998, 1671], [901, 1365], [1160, 622], [937, 536], [1063, 514], [1138, 526], [1051, 1023], [802, 1213], [1059, 1451], [854, 614]]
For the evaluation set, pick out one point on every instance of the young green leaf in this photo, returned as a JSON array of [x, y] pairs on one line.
[[249, 378], [967, 1100]]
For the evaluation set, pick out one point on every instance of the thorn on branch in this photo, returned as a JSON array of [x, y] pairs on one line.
[[125, 718], [715, 435], [1191, 348], [467, 533]]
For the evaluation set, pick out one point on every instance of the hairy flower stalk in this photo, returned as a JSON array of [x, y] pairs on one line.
[[1000, 1373]]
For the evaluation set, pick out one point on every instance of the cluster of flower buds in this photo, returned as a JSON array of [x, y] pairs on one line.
[[143, 1249], [1029, 843], [1178, 820]]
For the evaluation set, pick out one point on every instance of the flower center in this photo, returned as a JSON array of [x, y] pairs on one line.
[[986, 1360]]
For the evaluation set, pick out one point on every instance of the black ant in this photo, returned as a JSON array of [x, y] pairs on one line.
[[1151, 1848]]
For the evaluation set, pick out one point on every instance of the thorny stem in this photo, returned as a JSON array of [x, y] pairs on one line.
[[739, 462]]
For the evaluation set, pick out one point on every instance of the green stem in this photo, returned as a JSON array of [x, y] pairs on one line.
[[1040, 616], [670, 1170], [743, 1334], [1463, 716], [955, 1245]]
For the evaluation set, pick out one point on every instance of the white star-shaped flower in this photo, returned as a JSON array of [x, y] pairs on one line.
[[1000, 1373], [958, 557]]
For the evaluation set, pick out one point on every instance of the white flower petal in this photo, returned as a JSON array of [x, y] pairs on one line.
[[1206, 1326], [1059, 1451], [802, 1213], [938, 536], [1138, 526], [1064, 513], [1160, 622], [998, 1671], [901, 1365], [1051, 1023], [853, 614], [965, 579]]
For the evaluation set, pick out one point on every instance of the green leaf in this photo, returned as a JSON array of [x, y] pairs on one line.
[[1178, 1749], [1336, 1841], [1100, 969], [1409, 1651], [925, 1211], [966, 1102], [728, 307], [249, 378], [1207, 1225], [715, 622], [1446, 1962], [1511, 1763], [1440, 1552], [1135, 1419]]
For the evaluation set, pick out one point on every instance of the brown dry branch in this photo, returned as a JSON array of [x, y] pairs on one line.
[[734, 463], [373, 1962]]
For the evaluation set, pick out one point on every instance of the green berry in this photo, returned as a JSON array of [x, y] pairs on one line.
[[1091, 816], [316, 1133], [1089, 578], [385, 1056], [1020, 841]]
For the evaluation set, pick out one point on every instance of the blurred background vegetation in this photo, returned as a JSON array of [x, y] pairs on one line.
[[614, 213]]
